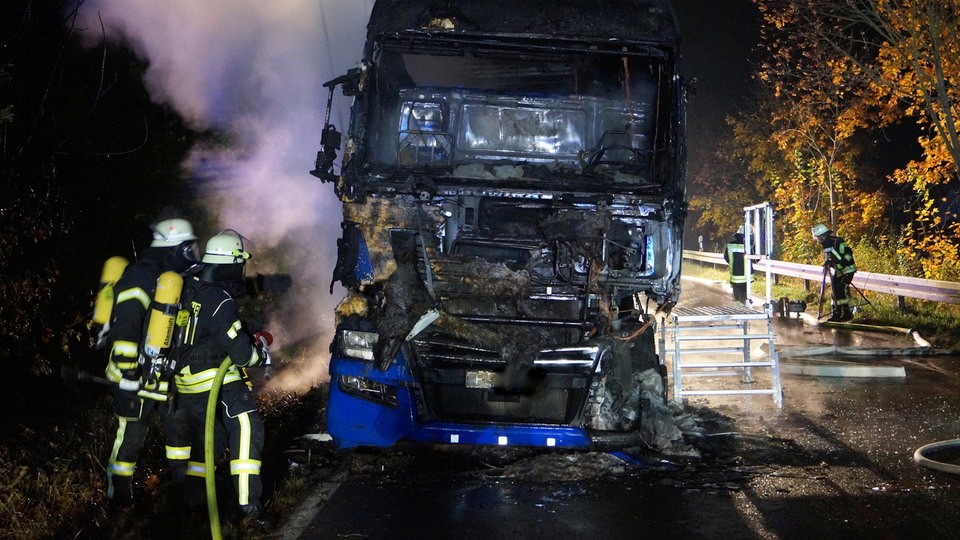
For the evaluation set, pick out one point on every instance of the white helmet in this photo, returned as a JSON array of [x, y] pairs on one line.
[[225, 249], [172, 233], [819, 229], [743, 230]]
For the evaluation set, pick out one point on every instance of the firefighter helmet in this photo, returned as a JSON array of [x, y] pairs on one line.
[[819, 230], [225, 249], [172, 233], [224, 262]]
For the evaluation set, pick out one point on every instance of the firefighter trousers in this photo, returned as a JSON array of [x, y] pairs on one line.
[[840, 287], [739, 292], [239, 427], [133, 422]]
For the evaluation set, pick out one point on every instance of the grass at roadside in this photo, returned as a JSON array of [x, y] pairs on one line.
[[52, 470], [936, 322], [53, 477]]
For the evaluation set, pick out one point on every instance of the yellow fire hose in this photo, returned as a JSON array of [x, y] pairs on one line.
[[208, 464]]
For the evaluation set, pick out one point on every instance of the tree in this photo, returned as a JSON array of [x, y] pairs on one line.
[[823, 102], [719, 187], [909, 52], [32, 215], [739, 171]]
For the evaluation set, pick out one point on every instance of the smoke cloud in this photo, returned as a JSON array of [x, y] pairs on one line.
[[255, 70]]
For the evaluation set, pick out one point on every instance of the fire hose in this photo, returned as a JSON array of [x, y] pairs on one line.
[[208, 464], [920, 456]]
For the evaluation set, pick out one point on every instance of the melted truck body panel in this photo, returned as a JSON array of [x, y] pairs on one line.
[[513, 203]]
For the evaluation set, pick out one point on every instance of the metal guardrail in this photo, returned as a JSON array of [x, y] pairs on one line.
[[947, 292]]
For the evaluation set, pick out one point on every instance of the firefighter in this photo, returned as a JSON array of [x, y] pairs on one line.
[[214, 332], [838, 262], [739, 268], [174, 248]]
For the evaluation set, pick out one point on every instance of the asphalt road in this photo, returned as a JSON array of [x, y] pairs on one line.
[[835, 462]]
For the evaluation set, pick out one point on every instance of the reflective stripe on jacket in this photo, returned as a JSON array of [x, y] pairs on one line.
[[197, 383], [214, 332], [739, 265], [837, 253]]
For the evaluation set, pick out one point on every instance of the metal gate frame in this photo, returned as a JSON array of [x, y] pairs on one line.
[[758, 244], [688, 325]]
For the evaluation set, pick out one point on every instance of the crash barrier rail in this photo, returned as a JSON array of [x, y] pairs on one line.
[[723, 326], [902, 287]]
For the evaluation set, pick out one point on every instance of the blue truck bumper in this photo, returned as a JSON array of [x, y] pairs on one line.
[[503, 435], [356, 421]]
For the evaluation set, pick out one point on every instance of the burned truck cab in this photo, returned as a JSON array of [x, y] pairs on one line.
[[513, 200]]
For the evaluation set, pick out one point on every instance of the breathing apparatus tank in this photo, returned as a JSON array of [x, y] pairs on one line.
[[156, 364], [112, 270], [103, 307]]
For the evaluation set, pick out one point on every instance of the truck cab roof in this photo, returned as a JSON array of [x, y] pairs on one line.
[[628, 21]]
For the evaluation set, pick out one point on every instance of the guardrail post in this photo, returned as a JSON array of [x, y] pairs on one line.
[[901, 303]]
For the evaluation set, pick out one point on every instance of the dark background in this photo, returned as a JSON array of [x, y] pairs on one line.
[[719, 51]]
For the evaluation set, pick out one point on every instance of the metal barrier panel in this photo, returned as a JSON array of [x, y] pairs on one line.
[[693, 324]]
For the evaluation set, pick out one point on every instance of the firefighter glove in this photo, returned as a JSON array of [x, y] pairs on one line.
[[263, 339]]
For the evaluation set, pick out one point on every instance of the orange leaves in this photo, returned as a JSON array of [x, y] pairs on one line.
[[935, 247], [919, 64], [839, 68], [932, 237], [865, 212]]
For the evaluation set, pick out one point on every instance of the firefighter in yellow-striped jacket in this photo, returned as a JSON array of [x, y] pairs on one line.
[[838, 261], [214, 332], [174, 248], [739, 268]]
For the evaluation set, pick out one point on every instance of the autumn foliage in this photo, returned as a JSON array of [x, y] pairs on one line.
[[835, 75]]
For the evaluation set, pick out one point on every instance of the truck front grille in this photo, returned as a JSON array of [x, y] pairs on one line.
[[465, 383]]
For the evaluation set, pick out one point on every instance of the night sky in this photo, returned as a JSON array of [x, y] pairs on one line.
[[719, 40], [720, 50]]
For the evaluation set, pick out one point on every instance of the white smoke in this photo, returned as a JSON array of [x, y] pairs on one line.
[[255, 70]]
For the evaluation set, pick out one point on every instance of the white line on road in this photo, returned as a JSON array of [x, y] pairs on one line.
[[307, 511], [752, 516]]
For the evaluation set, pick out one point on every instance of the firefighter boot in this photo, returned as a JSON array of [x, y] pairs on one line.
[[258, 516], [837, 315], [120, 494], [845, 314]]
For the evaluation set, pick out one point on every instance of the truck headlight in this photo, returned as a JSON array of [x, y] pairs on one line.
[[369, 390], [357, 344]]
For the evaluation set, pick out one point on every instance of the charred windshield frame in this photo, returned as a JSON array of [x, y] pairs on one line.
[[602, 111]]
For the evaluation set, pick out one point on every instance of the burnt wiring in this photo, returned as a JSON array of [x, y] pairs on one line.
[[644, 326], [557, 269]]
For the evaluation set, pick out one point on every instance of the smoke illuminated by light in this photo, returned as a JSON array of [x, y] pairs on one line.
[[255, 70]]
